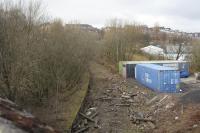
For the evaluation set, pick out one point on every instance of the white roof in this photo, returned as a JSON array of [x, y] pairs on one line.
[[153, 50]]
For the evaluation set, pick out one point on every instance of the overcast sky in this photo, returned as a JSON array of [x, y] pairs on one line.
[[177, 14]]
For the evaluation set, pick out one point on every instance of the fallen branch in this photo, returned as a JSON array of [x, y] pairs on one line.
[[94, 115], [104, 98], [82, 130], [96, 124], [85, 116], [143, 119], [133, 95], [128, 105]]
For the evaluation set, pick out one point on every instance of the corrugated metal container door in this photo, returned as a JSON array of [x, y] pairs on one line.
[[182, 67], [158, 78], [184, 70], [169, 81], [130, 70]]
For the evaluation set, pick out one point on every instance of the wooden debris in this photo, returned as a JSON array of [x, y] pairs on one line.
[[85, 122], [133, 95], [104, 98], [128, 105], [90, 119], [82, 130], [125, 96], [107, 98], [152, 100], [134, 119], [182, 109], [94, 115], [130, 101], [160, 102], [106, 93], [96, 124]]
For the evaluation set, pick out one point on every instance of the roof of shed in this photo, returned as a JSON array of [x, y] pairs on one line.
[[151, 47], [154, 61], [157, 67]]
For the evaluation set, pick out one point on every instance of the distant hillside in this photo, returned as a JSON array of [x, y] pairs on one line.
[[86, 27]]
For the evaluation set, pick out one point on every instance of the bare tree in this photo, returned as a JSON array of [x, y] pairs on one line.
[[179, 47], [40, 59], [196, 56], [122, 40]]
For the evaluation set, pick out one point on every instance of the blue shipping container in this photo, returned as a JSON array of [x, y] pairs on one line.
[[184, 70], [182, 67], [158, 78]]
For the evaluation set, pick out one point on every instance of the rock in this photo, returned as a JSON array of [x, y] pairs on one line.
[[139, 114], [93, 109], [126, 96], [151, 125], [109, 91], [130, 100], [169, 105], [195, 125], [142, 128], [88, 113], [176, 118], [13, 119], [197, 75], [136, 87]]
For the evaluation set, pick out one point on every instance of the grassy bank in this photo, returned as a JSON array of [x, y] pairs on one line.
[[61, 112]]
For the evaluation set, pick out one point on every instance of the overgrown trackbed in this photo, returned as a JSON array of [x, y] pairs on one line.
[[106, 85], [114, 105], [114, 100]]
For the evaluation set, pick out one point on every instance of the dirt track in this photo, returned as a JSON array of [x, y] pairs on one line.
[[106, 92], [111, 118], [108, 97]]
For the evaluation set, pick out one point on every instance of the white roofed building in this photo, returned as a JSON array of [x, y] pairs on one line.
[[153, 50]]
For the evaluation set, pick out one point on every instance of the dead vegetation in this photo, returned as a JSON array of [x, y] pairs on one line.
[[43, 62], [196, 57], [122, 41]]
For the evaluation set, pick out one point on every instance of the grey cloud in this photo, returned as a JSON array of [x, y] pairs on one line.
[[179, 14]]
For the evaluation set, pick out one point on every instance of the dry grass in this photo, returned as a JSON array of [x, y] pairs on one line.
[[62, 115], [185, 122]]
